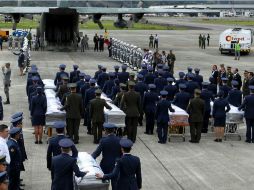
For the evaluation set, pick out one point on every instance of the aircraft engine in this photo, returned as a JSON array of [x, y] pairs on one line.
[[97, 20], [120, 22]]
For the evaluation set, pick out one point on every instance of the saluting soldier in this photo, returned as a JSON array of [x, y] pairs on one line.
[[162, 117], [54, 148], [74, 75], [14, 168], [110, 149], [131, 104], [149, 107], [63, 166], [245, 87], [96, 113], [196, 111], [127, 170], [74, 111]]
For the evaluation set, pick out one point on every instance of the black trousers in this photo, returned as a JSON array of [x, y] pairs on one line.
[[162, 129], [250, 129], [73, 129], [195, 131], [206, 121], [140, 118], [14, 180], [97, 131], [131, 125], [96, 47], [150, 120]]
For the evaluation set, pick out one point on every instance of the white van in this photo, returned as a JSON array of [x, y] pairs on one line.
[[229, 38]]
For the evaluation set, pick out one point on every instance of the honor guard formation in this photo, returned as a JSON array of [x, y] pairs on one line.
[[144, 90]]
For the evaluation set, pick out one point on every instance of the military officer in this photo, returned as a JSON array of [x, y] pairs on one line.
[[141, 88], [63, 89], [16, 159], [120, 94], [60, 73], [191, 85], [127, 169], [237, 77], [181, 79], [207, 96], [245, 87], [225, 88], [96, 112], [149, 107], [235, 95], [143, 69], [162, 117], [212, 87], [110, 149], [215, 74], [124, 75], [81, 82], [116, 67], [7, 81], [115, 89], [85, 87], [160, 82], [32, 88], [182, 98], [74, 75], [33, 72], [4, 180], [107, 88], [230, 76], [149, 78], [131, 104], [167, 73], [197, 77], [74, 110], [196, 111], [53, 148], [248, 107], [171, 89], [98, 72], [103, 77], [132, 77], [189, 71], [251, 78], [89, 95], [63, 166]]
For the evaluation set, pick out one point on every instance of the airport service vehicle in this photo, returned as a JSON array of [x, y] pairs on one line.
[[229, 38], [4, 34]]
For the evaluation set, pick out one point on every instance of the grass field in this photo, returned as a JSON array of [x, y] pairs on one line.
[[108, 24], [227, 22]]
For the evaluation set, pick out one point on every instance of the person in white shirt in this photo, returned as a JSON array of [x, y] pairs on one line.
[[3, 146]]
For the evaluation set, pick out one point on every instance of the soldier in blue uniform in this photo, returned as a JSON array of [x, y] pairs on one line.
[[220, 107], [141, 88], [197, 77], [16, 160], [53, 148], [74, 75], [207, 96], [63, 166], [110, 149], [90, 94], [38, 113], [212, 87], [149, 107], [189, 71], [225, 88], [235, 95], [116, 67], [182, 98], [32, 88], [181, 79], [32, 72], [124, 75], [127, 169], [115, 89], [107, 88], [191, 85], [85, 87], [98, 72], [61, 72], [248, 107], [167, 74], [162, 117], [171, 89], [149, 78], [160, 82], [81, 82], [103, 77], [143, 70]]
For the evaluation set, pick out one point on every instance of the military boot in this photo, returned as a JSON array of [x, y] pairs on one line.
[[7, 101]]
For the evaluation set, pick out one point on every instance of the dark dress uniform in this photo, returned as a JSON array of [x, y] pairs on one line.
[[248, 106], [131, 104], [225, 88], [80, 84], [230, 76], [245, 88], [96, 112], [97, 73], [171, 89], [59, 76], [182, 100], [149, 107], [107, 88], [54, 149], [235, 97], [149, 78], [74, 75], [196, 111], [123, 76], [212, 88], [207, 96], [237, 77], [38, 110], [162, 118], [215, 75], [63, 89], [102, 78], [191, 86], [115, 90], [74, 111], [219, 112], [160, 83]]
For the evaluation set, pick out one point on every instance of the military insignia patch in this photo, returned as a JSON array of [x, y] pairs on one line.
[[12, 150]]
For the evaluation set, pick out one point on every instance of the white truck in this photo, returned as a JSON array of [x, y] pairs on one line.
[[229, 38]]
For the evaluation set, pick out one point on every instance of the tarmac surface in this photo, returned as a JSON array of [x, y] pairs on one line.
[[174, 166]]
